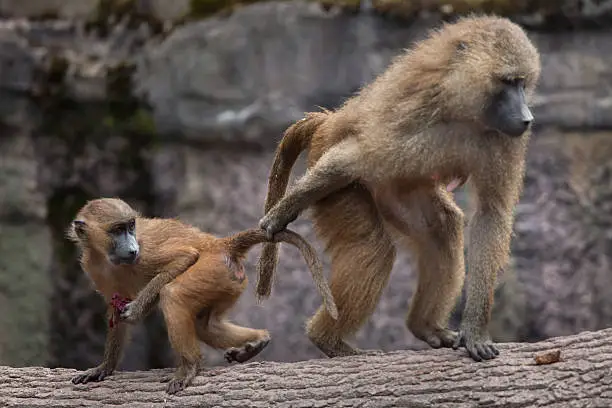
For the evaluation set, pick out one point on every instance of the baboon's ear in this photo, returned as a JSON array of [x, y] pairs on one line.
[[79, 228]]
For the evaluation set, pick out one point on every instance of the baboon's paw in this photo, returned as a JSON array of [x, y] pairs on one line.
[[92, 375], [246, 352], [479, 346], [337, 348], [175, 385], [436, 338]]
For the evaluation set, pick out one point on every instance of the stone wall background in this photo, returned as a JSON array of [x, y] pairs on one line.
[[180, 114]]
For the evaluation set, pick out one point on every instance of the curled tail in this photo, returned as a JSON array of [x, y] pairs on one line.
[[241, 242], [295, 140]]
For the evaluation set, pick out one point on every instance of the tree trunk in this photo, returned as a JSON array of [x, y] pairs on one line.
[[432, 378]]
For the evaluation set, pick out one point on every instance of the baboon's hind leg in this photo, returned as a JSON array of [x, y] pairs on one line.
[[362, 257], [240, 343], [182, 334]]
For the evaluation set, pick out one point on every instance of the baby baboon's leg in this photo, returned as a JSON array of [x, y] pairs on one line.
[[436, 224], [362, 256], [180, 323], [116, 338], [241, 343]]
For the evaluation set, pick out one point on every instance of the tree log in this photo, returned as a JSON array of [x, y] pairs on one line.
[[431, 378]]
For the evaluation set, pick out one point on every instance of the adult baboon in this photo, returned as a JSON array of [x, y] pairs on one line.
[[454, 107]]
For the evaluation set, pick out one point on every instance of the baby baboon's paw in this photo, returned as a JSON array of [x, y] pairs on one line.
[[246, 352], [182, 377], [175, 385], [92, 375]]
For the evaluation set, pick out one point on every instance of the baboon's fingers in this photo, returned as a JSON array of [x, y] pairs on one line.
[[246, 352], [492, 351], [175, 385], [485, 351], [275, 221], [92, 375], [478, 347], [459, 341]]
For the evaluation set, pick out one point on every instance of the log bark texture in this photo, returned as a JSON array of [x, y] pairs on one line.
[[432, 378]]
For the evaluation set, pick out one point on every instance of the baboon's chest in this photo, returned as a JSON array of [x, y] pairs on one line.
[[109, 280]]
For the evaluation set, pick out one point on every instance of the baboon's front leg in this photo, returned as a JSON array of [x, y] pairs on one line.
[[116, 338]]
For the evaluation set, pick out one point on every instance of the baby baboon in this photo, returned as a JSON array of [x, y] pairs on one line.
[[455, 107], [196, 277]]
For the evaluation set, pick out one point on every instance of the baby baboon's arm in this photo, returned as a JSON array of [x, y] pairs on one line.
[[116, 338], [336, 169], [182, 260]]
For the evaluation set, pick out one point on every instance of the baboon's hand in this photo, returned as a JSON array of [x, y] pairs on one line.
[[274, 222], [477, 343], [95, 374], [131, 313]]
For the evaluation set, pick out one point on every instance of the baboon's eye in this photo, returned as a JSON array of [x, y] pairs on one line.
[[513, 81], [131, 225], [79, 227], [117, 229]]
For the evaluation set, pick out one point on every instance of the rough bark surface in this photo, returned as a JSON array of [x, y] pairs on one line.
[[433, 378]]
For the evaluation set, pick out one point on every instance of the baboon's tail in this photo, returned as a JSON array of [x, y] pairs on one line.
[[240, 243], [295, 140]]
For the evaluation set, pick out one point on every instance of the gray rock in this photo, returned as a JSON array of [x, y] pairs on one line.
[[246, 76], [25, 255], [69, 9]]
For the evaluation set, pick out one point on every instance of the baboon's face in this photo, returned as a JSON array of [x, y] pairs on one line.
[[117, 240], [124, 248], [507, 110], [107, 226], [493, 79]]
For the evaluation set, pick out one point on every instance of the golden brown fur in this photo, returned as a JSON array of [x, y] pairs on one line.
[[294, 141], [378, 167], [196, 277]]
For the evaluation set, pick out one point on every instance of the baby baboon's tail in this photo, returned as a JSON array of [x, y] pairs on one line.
[[240, 243]]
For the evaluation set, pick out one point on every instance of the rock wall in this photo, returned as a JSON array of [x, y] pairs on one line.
[[184, 124]]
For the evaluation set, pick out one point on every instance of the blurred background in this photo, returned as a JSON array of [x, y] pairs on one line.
[[176, 106]]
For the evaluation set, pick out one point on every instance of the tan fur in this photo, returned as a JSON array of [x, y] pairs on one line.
[[377, 171], [196, 277], [295, 139]]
